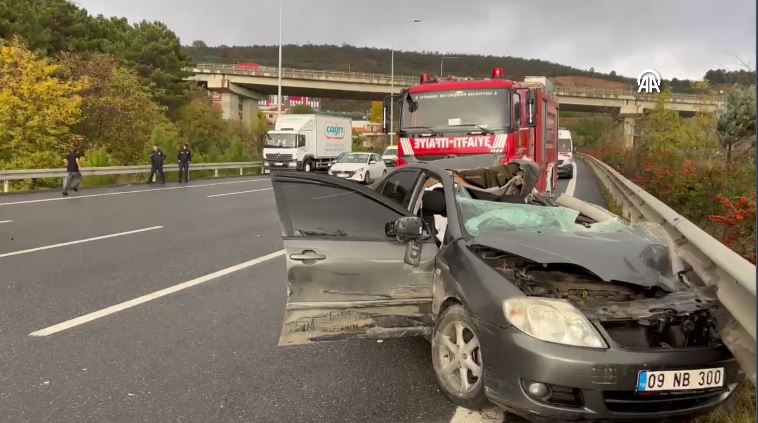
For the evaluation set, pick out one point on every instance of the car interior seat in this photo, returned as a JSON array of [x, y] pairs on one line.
[[434, 212]]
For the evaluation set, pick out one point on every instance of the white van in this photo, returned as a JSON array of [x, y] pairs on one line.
[[565, 154]]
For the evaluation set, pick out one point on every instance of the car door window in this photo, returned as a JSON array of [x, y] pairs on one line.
[[318, 210], [399, 186]]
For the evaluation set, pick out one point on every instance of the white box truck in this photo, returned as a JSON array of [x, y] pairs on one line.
[[306, 142]]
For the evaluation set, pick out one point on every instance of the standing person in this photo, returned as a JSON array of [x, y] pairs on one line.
[[185, 158], [156, 164], [74, 177]]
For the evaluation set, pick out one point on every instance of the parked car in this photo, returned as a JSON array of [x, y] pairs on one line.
[[390, 156], [550, 307], [361, 167], [333, 161]]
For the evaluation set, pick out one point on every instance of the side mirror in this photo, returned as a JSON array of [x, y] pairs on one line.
[[532, 108], [407, 229], [372, 162]]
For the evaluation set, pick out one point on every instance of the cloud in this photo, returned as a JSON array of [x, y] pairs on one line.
[[679, 38]]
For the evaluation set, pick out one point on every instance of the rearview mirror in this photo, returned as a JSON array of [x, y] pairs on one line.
[[372, 162], [407, 228], [386, 109]]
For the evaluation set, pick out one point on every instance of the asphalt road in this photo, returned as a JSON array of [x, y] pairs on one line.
[[205, 353]]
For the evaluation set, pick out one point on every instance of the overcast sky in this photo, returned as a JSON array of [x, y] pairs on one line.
[[678, 38]]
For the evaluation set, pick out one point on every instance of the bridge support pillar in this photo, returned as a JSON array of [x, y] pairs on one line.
[[628, 131], [236, 102]]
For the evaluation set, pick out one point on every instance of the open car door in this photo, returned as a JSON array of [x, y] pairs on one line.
[[346, 278]]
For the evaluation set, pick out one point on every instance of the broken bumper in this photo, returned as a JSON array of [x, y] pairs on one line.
[[594, 384]]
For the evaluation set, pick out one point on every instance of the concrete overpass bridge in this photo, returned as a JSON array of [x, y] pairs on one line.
[[239, 89]]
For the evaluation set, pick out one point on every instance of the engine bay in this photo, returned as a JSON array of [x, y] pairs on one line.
[[634, 317]]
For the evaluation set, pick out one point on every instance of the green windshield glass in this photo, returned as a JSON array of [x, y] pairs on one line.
[[480, 216]]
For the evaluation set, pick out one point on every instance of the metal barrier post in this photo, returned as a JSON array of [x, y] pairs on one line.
[[215, 173], [6, 186], [241, 172]]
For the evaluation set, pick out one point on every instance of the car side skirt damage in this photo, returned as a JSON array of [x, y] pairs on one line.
[[632, 316], [313, 322]]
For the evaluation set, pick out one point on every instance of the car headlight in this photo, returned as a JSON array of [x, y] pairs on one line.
[[359, 170], [552, 320]]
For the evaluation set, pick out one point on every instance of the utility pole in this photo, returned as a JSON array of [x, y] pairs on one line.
[[279, 85], [392, 78]]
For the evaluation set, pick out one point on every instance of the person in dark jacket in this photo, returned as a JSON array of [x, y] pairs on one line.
[[184, 158], [156, 160], [74, 178]]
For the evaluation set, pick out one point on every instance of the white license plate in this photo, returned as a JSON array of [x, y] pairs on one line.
[[342, 175], [679, 380]]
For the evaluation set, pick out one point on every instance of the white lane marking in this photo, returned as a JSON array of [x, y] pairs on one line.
[[68, 324], [79, 241], [489, 415], [238, 192], [105, 194], [571, 187], [6, 221]]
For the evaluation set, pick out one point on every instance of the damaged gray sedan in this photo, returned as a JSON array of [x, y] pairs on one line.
[[552, 308]]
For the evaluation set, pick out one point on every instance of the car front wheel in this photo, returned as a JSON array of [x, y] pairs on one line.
[[457, 358]]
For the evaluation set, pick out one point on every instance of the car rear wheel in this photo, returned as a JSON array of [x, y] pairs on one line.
[[457, 358]]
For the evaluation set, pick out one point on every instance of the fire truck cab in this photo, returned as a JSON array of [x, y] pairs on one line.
[[454, 117]]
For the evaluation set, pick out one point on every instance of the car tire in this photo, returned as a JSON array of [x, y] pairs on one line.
[[456, 356], [308, 166]]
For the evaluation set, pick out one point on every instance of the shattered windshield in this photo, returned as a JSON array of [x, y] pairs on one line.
[[481, 216]]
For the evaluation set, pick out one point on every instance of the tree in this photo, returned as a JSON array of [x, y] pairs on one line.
[[260, 128], [301, 109], [377, 112], [701, 87], [156, 53], [737, 121], [119, 113], [199, 44], [37, 109], [59, 26], [201, 125]]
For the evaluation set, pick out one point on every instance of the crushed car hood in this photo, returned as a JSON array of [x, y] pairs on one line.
[[623, 256]]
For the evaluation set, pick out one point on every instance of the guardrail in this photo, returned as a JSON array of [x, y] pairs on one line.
[[713, 262], [294, 73], [9, 175], [603, 93]]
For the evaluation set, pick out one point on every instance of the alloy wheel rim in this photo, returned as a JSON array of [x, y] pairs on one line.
[[460, 358]]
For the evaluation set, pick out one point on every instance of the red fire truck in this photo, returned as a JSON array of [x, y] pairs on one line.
[[451, 117]]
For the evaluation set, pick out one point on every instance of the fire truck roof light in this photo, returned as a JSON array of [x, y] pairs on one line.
[[497, 73]]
